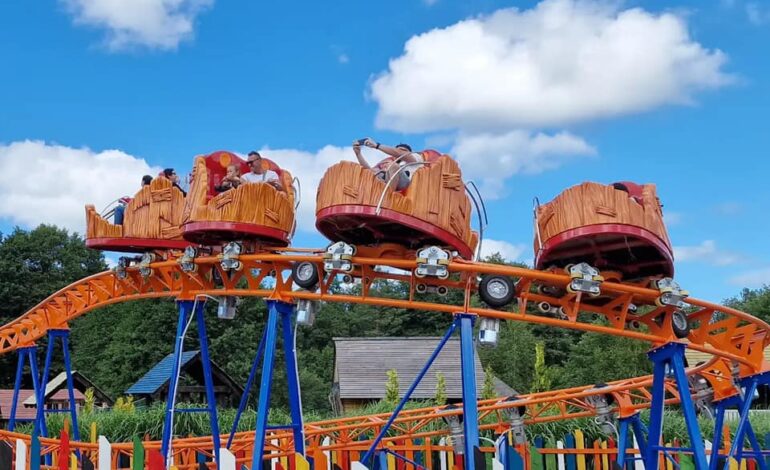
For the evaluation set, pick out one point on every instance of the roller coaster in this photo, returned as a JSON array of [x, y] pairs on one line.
[[605, 269]]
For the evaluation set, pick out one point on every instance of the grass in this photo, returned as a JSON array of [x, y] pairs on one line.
[[147, 423]]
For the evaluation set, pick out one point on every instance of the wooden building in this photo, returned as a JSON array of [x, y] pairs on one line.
[[361, 366], [153, 386]]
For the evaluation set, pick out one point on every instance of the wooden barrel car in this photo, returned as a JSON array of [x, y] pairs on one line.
[[616, 227], [253, 211], [354, 206], [152, 220]]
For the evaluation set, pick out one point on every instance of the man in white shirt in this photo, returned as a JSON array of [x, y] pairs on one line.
[[258, 174]]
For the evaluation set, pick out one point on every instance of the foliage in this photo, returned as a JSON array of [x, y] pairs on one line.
[[488, 389], [88, 406], [440, 397], [542, 380], [124, 404], [391, 387]]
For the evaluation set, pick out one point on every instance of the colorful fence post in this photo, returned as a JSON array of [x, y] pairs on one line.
[[105, 454], [21, 455], [570, 461], [580, 444]]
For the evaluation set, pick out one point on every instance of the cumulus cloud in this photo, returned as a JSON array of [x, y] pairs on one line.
[[563, 61], [509, 251], [752, 279], [49, 183], [706, 252], [160, 24], [757, 14], [309, 168], [510, 153]]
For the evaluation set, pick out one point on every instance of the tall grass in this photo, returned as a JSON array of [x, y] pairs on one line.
[[147, 423]]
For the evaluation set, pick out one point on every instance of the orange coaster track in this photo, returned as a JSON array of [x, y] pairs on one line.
[[735, 339]]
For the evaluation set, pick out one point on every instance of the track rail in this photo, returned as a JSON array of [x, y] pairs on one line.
[[735, 339], [717, 330]]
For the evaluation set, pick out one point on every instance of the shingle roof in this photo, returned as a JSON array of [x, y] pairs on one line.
[[362, 364], [22, 412], [156, 377]]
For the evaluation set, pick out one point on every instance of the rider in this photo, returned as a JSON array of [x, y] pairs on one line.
[[396, 156], [258, 174]]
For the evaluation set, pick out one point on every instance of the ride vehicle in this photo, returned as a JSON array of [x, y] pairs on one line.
[[152, 220], [429, 220], [257, 213], [617, 227]]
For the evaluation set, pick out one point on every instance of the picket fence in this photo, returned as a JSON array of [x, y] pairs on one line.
[[573, 452]]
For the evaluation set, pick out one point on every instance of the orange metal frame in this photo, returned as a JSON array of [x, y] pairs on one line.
[[731, 336]]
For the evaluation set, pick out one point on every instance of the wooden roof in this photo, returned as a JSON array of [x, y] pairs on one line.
[[361, 366]]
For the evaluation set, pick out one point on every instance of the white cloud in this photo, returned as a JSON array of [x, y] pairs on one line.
[[309, 167], [160, 24], [504, 155], [563, 61], [757, 14], [752, 279], [507, 250], [49, 183], [672, 218], [343, 59], [706, 252]]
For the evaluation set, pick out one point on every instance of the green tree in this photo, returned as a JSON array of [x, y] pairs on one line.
[[488, 389], [542, 379], [33, 265], [391, 387], [440, 396]]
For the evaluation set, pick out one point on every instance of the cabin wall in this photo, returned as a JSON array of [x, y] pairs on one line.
[[436, 194], [155, 212], [259, 204], [98, 227], [592, 204]]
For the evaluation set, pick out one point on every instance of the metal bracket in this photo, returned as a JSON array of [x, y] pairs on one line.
[[671, 294], [339, 257], [187, 260], [120, 268], [585, 278], [433, 261], [229, 257], [144, 265]]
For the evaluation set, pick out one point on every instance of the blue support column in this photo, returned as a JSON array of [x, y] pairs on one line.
[[263, 406], [185, 310], [63, 336], [622, 444], [208, 380], [28, 353], [740, 431], [247, 389], [370, 452], [470, 402], [719, 420], [671, 356], [292, 375]]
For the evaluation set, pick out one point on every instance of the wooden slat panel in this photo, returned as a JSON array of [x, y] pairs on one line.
[[593, 203]]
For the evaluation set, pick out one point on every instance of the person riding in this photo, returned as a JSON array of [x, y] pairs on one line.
[[171, 175], [231, 180], [397, 156], [258, 174]]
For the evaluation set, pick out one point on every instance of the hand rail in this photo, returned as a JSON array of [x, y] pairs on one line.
[[535, 207], [297, 192], [479, 213], [387, 185]]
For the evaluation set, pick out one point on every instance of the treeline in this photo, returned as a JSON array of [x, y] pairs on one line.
[[116, 345]]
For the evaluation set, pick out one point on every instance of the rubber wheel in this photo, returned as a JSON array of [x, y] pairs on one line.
[[496, 290], [680, 325], [305, 274]]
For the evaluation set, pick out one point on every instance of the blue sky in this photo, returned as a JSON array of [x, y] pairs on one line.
[[531, 97]]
